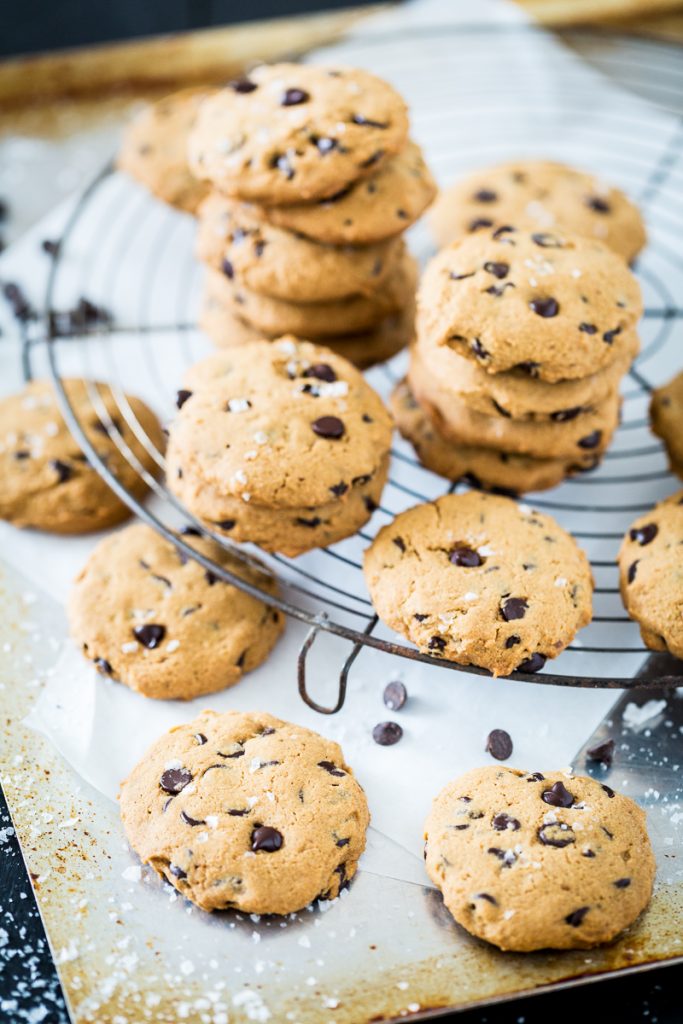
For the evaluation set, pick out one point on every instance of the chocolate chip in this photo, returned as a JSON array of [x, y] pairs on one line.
[[367, 122], [461, 277], [610, 792], [598, 204], [176, 871], [400, 543], [588, 853], [644, 534], [466, 557], [588, 328], [591, 440], [339, 489], [321, 371], [499, 744], [478, 349], [265, 839], [576, 916], [556, 834], [564, 415], [342, 842], [200, 738], [499, 289], [190, 531], [546, 240], [329, 427], [533, 664], [210, 577], [325, 145], [50, 247], [603, 752], [420, 618], [499, 270], [22, 454], [228, 269], [64, 472], [281, 162], [485, 195], [226, 524], [191, 821], [235, 812], [529, 366], [535, 777], [545, 307], [622, 883], [632, 569], [501, 822], [486, 896], [242, 85], [557, 796], [103, 666], [181, 397], [513, 608], [479, 222], [369, 503], [310, 523], [395, 695], [332, 768], [150, 635], [293, 97], [504, 229], [174, 780], [507, 856], [436, 643], [609, 336], [512, 641], [387, 733]]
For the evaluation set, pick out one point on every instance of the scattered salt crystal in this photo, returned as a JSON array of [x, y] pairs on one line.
[[172, 646], [132, 873], [239, 404], [255, 764], [173, 763], [486, 550], [635, 715], [211, 820], [305, 942], [330, 1003], [187, 967], [470, 596], [129, 647], [246, 496], [560, 581], [261, 437]]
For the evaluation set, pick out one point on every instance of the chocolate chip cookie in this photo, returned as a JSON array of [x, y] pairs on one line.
[[153, 618], [666, 415], [554, 305], [531, 860], [478, 579], [154, 149], [47, 481], [544, 196], [651, 575], [243, 811], [291, 132], [280, 443]]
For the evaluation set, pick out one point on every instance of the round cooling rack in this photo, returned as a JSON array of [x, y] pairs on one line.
[[133, 256]]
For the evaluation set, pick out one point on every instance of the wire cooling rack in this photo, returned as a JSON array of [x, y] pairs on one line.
[[134, 256]]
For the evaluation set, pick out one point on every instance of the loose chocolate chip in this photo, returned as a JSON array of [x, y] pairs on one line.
[[610, 792], [478, 349], [228, 269], [546, 240], [609, 336], [64, 472], [191, 821], [150, 635], [329, 427], [557, 796], [400, 543], [339, 489], [242, 85], [622, 883], [598, 204], [50, 247], [588, 328], [499, 270], [436, 643], [632, 569], [367, 122], [293, 97], [513, 608], [265, 839], [644, 534], [576, 916], [555, 834], [479, 222], [200, 738], [603, 752], [485, 195], [103, 666], [499, 744], [387, 733], [181, 397], [591, 440], [501, 822], [564, 415], [512, 641], [545, 307], [321, 371], [174, 780], [176, 871], [466, 557], [533, 664], [332, 768], [395, 695]]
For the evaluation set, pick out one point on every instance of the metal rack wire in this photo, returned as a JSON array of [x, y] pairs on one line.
[[115, 226]]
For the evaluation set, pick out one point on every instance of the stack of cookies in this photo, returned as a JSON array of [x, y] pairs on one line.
[[313, 182], [522, 340]]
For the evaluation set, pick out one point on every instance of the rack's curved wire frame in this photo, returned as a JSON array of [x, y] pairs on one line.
[[316, 621]]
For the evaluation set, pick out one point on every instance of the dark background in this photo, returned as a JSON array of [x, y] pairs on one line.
[[32, 26]]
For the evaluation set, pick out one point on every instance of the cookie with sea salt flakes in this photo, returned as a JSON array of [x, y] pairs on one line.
[[280, 443], [537, 860], [156, 620], [235, 239], [383, 205], [544, 196], [244, 811], [651, 575], [293, 132], [666, 416], [506, 472], [47, 482], [154, 149], [478, 579], [557, 306]]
